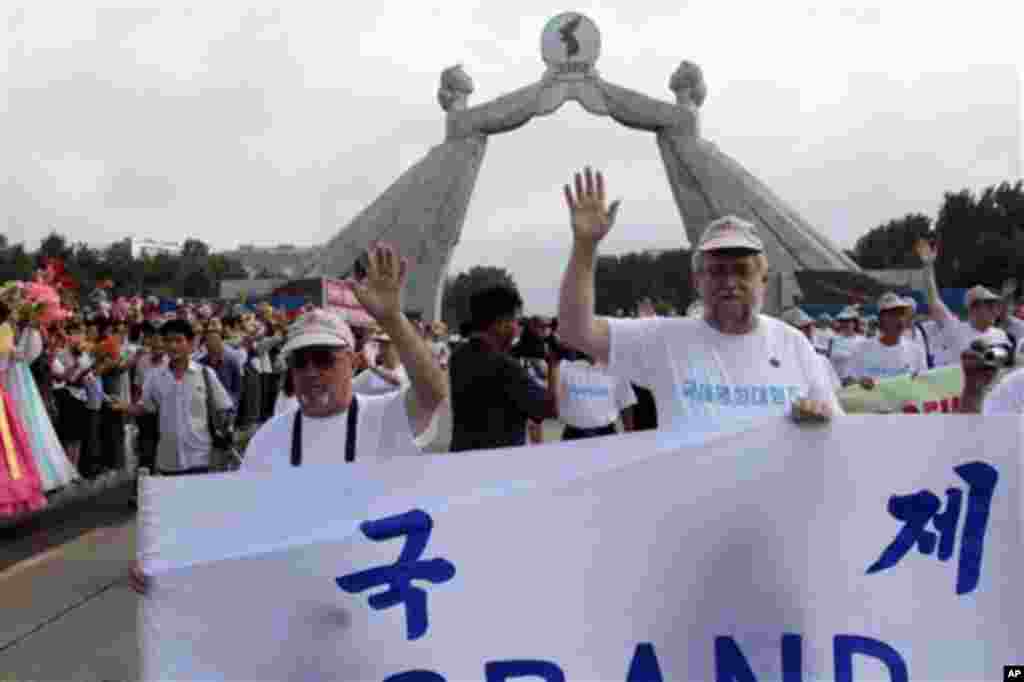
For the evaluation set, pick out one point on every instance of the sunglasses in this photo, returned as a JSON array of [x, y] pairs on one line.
[[321, 358]]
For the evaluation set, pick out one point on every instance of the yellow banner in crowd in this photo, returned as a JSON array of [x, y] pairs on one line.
[[936, 390]]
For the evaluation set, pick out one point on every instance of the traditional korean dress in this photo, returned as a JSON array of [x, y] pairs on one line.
[[55, 469], [21, 489]]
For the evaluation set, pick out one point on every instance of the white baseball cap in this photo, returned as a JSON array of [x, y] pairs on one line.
[[319, 328], [730, 232], [890, 301], [980, 293]]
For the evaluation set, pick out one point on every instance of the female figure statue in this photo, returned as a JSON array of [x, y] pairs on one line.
[[708, 184]]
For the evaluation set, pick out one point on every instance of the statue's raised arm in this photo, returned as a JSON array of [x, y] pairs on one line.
[[637, 110], [500, 115]]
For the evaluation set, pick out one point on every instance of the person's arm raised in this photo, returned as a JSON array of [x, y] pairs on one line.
[[380, 293], [937, 310], [591, 222]]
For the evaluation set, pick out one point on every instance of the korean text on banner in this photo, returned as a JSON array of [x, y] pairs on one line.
[[769, 553]]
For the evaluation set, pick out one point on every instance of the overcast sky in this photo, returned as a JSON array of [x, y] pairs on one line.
[[240, 125]]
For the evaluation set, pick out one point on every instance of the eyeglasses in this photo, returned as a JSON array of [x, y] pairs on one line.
[[322, 358]]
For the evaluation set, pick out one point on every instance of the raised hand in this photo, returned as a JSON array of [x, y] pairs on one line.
[[591, 221], [380, 292], [926, 251]]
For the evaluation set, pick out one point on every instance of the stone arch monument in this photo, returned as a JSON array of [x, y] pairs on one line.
[[422, 213]]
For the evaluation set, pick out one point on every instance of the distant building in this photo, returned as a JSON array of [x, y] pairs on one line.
[[151, 247]]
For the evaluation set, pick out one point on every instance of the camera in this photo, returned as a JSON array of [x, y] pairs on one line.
[[992, 355]]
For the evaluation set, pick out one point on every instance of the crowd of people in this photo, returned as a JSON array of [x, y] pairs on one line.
[[91, 389]]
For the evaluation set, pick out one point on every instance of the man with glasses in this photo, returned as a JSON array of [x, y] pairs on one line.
[[331, 425], [320, 350], [732, 362], [983, 308]]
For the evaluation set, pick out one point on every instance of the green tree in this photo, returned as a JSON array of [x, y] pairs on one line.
[[54, 245], [457, 291], [890, 246], [194, 250]]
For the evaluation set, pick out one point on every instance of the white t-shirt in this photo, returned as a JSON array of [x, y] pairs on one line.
[[960, 335], [701, 377], [369, 382], [943, 354], [874, 359], [842, 348], [285, 403], [828, 369], [822, 336], [1007, 396], [383, 431], [590, 397]]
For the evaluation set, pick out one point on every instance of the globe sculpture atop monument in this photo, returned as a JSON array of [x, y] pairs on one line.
[[422, 212]]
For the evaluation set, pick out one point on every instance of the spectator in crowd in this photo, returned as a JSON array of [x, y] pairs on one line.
[[983, 306], [823, 334], [531, 350], [225, 364], [802, 321], [845, 342], [178, 394], [591, 400], [387, 376], [889, 354], [734, 361], [983, 392], [493, 395]]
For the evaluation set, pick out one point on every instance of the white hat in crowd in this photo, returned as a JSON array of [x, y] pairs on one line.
[[980, 293], [890, 301], [730, 232], [319, 328], [848, 313]]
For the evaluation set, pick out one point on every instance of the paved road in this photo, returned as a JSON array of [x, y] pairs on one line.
[[67, 612]]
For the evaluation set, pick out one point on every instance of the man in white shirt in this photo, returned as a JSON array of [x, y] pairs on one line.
[[890, 354], [983, 306], [845, 341], [732, 362], [320, 349], [823, 334], [590, 400], [802, 321]]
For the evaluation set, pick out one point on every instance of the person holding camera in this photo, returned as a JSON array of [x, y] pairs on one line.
[[982, 362], [493, 395]]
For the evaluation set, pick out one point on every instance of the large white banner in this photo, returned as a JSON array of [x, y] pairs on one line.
[[875, 548]]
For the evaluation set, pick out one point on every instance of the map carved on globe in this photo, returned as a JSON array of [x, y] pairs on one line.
[[570, 43]]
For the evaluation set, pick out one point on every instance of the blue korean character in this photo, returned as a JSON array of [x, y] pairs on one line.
[[920, 508], [416, 527]]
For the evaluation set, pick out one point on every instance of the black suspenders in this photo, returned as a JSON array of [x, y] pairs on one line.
[[350, 435]]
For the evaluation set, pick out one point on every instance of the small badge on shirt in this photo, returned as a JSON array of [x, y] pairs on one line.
[[775, 362]]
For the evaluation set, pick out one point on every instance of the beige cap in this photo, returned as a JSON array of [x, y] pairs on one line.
[[730, 232], [980, 293], [890, 301]]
